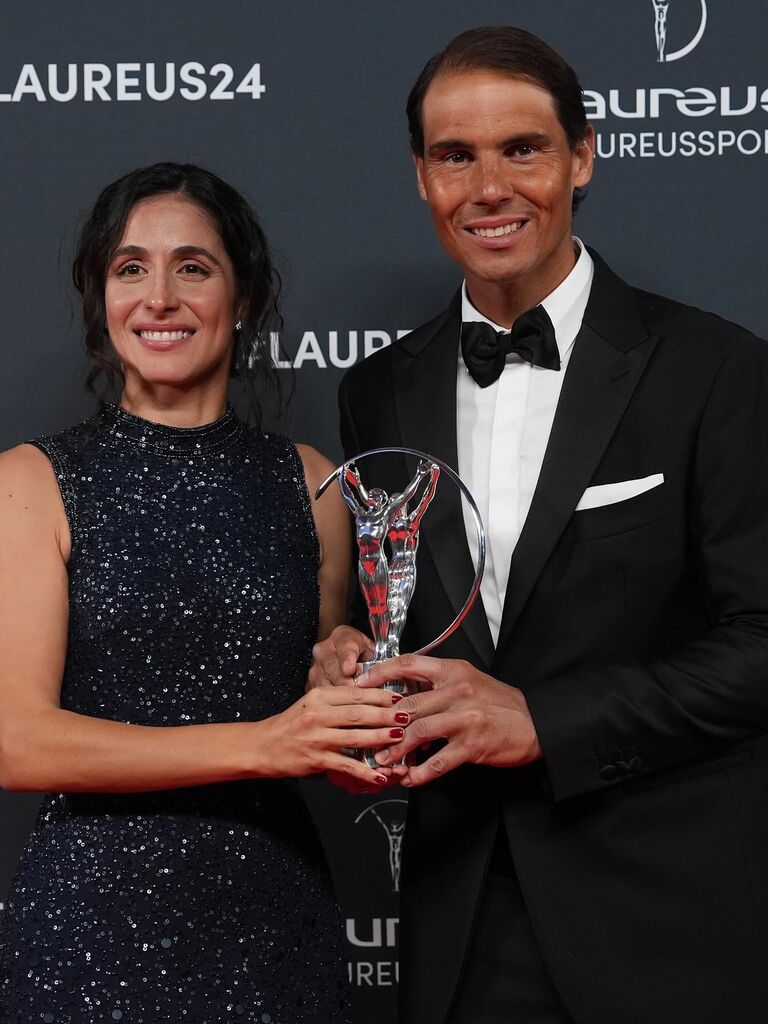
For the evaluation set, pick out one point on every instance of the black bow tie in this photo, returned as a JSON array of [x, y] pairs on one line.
[[485, 349]]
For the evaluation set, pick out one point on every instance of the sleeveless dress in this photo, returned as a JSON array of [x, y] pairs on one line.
[[193, 599]]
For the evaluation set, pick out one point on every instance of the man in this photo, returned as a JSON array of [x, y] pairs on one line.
[[587, 837]]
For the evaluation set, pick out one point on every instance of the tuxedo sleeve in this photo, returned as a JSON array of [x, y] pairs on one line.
[[598, 726]]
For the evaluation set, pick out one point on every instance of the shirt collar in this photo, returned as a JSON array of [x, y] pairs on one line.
[[565, 305]]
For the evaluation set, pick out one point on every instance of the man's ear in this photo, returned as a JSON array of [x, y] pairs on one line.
[[584, 159], [419, 162]]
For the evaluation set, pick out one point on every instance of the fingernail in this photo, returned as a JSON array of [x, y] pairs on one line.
[[396, 698], [381, 779], [396, 734], [361, 678], [402, 717]]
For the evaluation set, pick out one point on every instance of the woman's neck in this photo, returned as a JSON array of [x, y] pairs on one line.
[[176, 407]]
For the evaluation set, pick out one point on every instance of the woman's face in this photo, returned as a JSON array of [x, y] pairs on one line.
[[170, 296]]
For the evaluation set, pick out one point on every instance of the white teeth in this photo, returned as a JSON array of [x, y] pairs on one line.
[[165, 335], [505, 229]]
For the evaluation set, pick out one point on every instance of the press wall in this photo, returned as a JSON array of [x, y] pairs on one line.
[[300, 104]]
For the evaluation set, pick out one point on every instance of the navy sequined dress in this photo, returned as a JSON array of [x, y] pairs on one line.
[[193, 599]]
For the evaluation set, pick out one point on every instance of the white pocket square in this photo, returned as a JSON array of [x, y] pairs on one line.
[[609, 494]]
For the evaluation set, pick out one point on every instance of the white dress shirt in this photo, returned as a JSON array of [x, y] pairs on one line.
[[503, 430]]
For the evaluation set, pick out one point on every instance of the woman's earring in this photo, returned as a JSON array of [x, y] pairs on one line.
[[238, 325]]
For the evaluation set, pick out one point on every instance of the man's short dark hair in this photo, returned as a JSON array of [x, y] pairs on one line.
[[509, 51]]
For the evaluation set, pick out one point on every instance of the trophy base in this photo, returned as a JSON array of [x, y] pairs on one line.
[[405, 689]]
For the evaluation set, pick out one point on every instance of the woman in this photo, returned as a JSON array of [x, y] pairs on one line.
[[161, 585]]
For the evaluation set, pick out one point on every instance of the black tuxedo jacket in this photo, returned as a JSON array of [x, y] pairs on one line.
[[639, 634]]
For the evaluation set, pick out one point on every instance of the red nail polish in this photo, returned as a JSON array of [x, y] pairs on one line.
[[402, 717], [381, 779], [396, 734], [396, 698]]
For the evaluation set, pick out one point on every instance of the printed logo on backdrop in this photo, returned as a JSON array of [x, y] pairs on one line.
[[131, 81], [375, 969], [390, 816], [661, 17], [691, 114], [332, 348], [373, 941]]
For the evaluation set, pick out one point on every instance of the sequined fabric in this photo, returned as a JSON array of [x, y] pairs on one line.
[[193, 599]]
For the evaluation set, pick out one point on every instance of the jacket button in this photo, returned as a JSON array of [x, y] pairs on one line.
[[636, 765], [609, 772]]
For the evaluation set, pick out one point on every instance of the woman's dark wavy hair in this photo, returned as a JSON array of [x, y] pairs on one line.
[[257, 280], [509, 51]]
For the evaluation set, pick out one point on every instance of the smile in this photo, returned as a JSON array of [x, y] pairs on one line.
[[164, 335], [504, 229]]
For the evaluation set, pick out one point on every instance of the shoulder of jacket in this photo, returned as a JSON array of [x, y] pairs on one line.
[[380, 362], [666, 316]]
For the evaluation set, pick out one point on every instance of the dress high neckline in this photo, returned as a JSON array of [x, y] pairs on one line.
[[163, 439]]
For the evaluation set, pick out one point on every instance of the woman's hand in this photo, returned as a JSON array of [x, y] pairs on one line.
[[311, 735]]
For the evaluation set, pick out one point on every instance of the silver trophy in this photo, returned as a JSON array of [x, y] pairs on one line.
[[387, 534]]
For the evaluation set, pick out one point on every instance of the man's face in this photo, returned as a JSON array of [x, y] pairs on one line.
[[499, 175]]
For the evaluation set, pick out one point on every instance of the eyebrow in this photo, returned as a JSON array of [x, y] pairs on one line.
[[513, 140], [182, 250]]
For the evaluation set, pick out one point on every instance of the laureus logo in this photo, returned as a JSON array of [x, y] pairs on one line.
[[661, 13], [390, 815]]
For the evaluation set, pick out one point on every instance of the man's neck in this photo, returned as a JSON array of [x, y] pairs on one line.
[[504, 301]]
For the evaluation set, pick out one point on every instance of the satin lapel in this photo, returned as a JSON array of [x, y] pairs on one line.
[[600, 379], [425, 399]]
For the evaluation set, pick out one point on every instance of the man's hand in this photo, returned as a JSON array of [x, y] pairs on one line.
[[483, 720], [335, 659]]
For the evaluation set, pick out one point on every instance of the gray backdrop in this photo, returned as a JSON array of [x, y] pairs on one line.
[[677, 205]]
